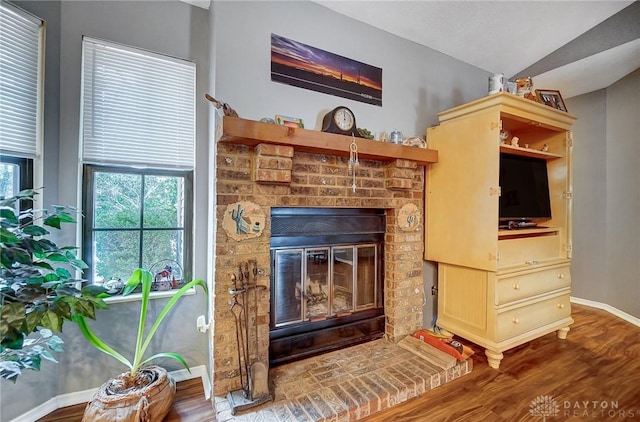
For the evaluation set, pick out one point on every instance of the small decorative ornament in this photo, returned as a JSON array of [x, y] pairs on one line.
[[514, 141], [289, 121], [496, 83], [243, 220], [167, 275], [415, 141], [504, 135], [409, 217], [354, 163]]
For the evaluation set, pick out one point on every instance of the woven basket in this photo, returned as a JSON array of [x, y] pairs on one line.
[[147, 398]]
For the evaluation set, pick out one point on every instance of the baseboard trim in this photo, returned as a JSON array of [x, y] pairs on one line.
[[605, 307], [78, 397]]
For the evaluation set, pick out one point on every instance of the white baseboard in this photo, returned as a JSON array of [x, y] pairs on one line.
[[84, 396], [614, 311]]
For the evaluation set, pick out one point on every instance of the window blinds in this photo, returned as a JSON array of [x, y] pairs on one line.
[[138, 107], [20, 81]]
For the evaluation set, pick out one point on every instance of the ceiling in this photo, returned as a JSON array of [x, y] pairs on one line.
[[519, 38]]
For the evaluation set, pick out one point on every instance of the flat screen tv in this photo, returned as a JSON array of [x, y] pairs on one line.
[[524, 187]]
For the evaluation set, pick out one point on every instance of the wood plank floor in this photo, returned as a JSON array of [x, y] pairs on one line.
[[595, 372], [189, 405], [599, 361]]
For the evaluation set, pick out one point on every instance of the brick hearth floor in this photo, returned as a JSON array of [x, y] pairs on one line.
[[346, 385]]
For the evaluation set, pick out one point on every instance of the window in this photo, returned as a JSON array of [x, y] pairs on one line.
[[138, 136], [16, 174], [136, 218], [21, 52]]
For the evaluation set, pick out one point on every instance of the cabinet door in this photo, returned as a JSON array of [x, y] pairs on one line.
[[462, 192]]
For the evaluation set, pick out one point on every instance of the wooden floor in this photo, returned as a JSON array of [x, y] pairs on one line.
[[595, 373], [189, 405], [599, 362]]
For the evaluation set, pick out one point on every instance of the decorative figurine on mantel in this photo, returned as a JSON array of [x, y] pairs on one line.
[[226, 108]]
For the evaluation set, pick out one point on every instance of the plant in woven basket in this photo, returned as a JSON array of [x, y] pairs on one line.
[[144, 393], [37, 289]]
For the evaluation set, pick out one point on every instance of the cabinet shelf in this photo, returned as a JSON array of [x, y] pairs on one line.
[[528, 152], [516, 233], [250, 132]]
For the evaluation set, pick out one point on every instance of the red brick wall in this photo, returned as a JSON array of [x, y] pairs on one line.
[[276, 176]]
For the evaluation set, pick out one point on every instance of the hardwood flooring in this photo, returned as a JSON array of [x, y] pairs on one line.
[[594, 375], [189, 405]]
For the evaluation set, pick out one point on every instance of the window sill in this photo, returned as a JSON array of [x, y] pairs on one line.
[[135, 297]]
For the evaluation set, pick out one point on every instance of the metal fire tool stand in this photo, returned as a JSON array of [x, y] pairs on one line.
[[253, 377]]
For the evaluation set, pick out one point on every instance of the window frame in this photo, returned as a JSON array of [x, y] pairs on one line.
[[28, 156], [89, 171], [25, 166]]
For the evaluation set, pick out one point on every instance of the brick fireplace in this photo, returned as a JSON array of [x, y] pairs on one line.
[[272, 175]]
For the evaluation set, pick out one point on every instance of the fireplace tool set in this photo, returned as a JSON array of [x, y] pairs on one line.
[[253, 376]]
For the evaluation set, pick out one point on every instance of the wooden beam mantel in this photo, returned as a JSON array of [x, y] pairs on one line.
[[251, 132]]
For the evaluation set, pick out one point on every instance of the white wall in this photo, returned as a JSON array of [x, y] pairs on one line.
[[589, 195], [606, 185], [623, 194], [417, 81]]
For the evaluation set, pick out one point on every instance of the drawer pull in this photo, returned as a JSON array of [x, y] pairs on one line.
[[515, 320], [531, 262], [560, 275], [516, 286], [560, 305]]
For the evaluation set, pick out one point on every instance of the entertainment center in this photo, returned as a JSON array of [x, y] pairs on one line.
[[503, 280]]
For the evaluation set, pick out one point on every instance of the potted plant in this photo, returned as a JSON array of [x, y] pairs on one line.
[[144, 393], [38, 291]]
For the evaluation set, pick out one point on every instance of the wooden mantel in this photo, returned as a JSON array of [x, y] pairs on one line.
[[251, 132]]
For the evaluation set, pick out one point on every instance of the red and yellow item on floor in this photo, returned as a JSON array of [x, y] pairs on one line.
[[444, 343]]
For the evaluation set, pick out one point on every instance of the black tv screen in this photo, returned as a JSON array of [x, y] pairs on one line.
[[524, 188]]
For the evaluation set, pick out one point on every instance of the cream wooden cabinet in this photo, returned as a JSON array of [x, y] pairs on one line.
[[498, 288]]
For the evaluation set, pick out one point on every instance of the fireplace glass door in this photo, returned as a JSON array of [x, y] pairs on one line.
[[312, 284]]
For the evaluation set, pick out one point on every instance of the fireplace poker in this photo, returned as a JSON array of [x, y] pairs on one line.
[[240, 339]]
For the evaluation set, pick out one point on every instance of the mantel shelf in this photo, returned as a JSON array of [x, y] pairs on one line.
[[251, 132]]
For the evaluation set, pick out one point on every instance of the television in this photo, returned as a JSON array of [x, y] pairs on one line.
[[524, 198]]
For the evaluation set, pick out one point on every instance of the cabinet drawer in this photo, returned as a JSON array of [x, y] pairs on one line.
[[529, 317], [510, 289], [519, 251]]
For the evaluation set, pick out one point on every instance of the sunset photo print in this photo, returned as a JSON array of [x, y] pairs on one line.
[[303, 66]]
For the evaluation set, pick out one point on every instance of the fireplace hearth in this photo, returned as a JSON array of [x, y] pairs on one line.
[[326, 280]]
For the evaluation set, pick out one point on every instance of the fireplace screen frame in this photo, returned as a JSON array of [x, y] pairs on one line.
[[309, 288]]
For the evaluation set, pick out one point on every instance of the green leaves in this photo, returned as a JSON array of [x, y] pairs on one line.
[[30, 355], [61, 216], [142, 278], [36, 284]]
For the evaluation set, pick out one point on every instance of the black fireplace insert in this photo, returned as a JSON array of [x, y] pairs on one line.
[[326, 280]]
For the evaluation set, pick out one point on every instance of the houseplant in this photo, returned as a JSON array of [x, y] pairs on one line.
[[144, 393], [37, 289]]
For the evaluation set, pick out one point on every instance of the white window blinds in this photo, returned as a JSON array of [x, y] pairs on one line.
[[20, 82], [137, 107]]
